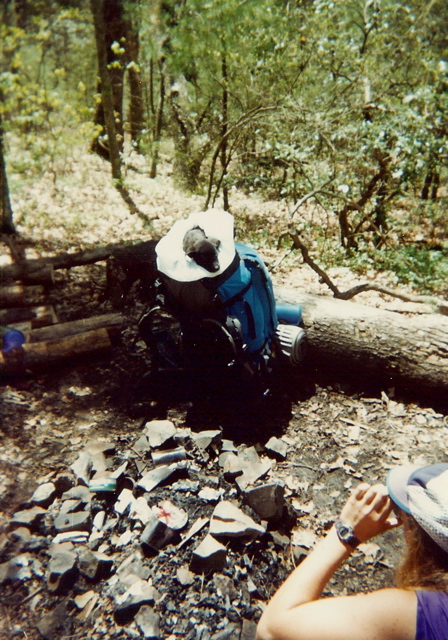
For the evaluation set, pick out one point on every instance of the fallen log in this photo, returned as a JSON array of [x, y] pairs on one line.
[[373, 346], [24, 270], [37, 274], [21, 296], [42, 356], [36, 316], [111, 322]]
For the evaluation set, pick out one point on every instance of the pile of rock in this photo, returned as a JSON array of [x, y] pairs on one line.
[[156, 540]]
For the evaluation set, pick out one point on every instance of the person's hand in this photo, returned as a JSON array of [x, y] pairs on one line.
[[368, 511]]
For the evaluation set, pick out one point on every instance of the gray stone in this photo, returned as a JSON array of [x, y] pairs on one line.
[[94, 565], [155, 535], [69, 506], [99, 446], [267, 500], [231, 632], [78, 521], [30, 518], [148, 622], [61, 568], [229, 521], [278, 447], [44, 495], [80, 492], [134, 565], [63, 482], [141, 445], [205, 439], [185, 576], [82, 467], [156, 476], [231, 465], [128, 603], [248, 630], [210, 555], [125, 502], [158, 432], [20, 536], [51, 625]]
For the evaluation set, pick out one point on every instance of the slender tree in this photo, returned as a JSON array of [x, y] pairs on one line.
[[6, 218]]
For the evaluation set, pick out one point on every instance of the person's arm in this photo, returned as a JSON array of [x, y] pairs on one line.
[[295, 611]]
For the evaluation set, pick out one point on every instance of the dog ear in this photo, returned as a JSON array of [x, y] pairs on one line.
[[215, 242]]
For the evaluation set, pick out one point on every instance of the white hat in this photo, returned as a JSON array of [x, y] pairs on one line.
[[423, 492], [171, 258]]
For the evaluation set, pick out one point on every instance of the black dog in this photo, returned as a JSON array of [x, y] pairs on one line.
[[202, 249]]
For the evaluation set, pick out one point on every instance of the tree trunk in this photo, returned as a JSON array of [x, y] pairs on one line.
[[136, 106], [6, 215], [109, 26], [107, 93], [41, 356], [375, 347]]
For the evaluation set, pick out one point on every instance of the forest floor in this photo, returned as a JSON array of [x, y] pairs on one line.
[[334, 438]]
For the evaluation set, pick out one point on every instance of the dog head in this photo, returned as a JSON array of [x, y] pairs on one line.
[[202, 249]]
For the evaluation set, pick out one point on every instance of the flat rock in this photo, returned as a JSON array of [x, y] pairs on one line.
[[78, 521], [156, 476], [231, 522], [44, 495], [278, 447], [125, 502], [267, 500], [155, 535], [158, 432], [29, 517], [141, 510], [80, 492], [128, 603], [62, 569], [210, 555], [148, 622], [53, 624], [204, 439], [82, 467], [94, 565]]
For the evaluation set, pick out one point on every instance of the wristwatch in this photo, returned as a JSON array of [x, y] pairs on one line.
[[346, 534]]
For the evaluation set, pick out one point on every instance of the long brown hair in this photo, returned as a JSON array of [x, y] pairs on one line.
[[425, 564]]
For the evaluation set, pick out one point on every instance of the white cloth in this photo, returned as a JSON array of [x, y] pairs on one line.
[[171, 258]]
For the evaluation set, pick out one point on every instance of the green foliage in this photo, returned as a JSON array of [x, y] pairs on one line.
[[46, 86]]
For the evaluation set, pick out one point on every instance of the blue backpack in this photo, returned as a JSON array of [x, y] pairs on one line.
[[247, 295], [241, 299]]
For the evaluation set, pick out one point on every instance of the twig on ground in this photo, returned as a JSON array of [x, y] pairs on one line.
[[440, 305]]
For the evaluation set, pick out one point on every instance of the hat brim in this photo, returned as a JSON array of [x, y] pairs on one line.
[[396, 483]]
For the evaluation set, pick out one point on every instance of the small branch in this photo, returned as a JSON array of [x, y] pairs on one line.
[[298, 244], [441, 305], [308, 196]]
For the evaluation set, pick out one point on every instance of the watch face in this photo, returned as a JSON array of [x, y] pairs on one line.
[[346, 534]]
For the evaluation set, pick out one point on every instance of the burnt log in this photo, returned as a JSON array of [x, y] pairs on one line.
[[36, 316], [128, 265], [112, 322], [24, 270], [21, 296], [35, 274], [42, 356], [371, 346]]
